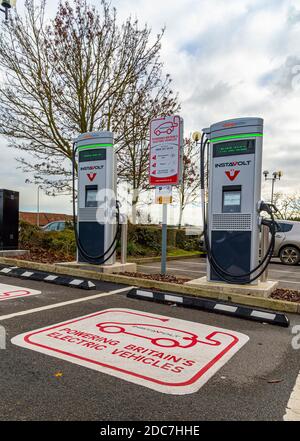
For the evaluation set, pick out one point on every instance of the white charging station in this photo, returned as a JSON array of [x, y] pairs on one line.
[[234, 194], [96, 220]]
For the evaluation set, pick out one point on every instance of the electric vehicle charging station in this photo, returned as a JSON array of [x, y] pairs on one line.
[[232, 216], [96, 232]]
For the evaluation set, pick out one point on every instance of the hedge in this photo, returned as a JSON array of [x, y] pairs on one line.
[[143, 240]]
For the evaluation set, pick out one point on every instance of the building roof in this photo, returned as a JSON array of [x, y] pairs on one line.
[[44, 218]]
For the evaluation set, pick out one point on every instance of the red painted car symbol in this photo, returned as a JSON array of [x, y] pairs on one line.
[[188, 339], [166, 127]]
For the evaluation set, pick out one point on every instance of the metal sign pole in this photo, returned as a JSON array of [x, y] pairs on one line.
[[164, 240], [124, 233]]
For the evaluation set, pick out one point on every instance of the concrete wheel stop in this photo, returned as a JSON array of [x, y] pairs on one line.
[[210, 305]]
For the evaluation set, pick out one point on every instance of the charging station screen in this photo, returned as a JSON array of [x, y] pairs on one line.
[[231, 201], [92, 155], [230, 148], [91, 196]]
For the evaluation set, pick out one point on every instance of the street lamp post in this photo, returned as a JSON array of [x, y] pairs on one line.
[[6, 5], [276, 175], [38, 206]]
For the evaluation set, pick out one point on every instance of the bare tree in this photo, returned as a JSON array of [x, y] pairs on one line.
[[189, 188], [288, 205], [67, 76], [149, 98]]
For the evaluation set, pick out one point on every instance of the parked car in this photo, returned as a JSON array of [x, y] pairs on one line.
[[287, 242], [57, 226]]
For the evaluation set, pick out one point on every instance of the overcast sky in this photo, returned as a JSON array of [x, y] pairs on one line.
[[227, 58]]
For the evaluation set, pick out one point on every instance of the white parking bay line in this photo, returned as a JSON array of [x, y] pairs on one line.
[[69, 302], [275, 270], [172, 269], [288, 281]]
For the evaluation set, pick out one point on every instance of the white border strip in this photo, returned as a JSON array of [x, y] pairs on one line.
[[174, 299], [228, 308], [262, 314], [144, 293], [69, 302]]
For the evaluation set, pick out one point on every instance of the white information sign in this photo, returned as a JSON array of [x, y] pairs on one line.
[[163, 194], [165, 144]]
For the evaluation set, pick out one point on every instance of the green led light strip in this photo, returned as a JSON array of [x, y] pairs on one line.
[[90, 146], [242, 135]]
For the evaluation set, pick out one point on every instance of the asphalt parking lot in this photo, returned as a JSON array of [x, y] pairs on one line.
[[254, 384], [287, 275]]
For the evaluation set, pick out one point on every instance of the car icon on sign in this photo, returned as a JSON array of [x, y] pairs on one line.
[[183, 339], [166, 127]]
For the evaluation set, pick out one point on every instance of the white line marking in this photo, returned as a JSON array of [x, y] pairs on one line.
[[69, 302], [229, 308], [201, 264], [288, 281], [293, 407], [172, 269], [285, 272], [173, 299], [144, 293], [183, 262], [261, 314]]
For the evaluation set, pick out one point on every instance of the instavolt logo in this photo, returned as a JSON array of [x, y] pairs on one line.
[[233, 164]]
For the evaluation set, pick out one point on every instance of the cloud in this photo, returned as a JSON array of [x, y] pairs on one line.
[[293, 16], [228, 59], [285, 78]]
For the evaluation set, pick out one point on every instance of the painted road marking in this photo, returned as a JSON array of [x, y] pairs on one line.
[[166, 354], [172, 269], [293, 406], [69, 302], [202, 264], [8, 292], [288, 281]]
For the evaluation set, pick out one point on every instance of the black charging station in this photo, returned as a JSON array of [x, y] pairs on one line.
[[9, 220]]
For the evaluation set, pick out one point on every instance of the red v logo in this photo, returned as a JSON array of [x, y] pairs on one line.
[[232, 174], [91, 176]]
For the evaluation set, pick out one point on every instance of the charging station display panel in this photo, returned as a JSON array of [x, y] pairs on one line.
[[231, 148], [92, 155], [92, 176], [91, 195], [232, 199]]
